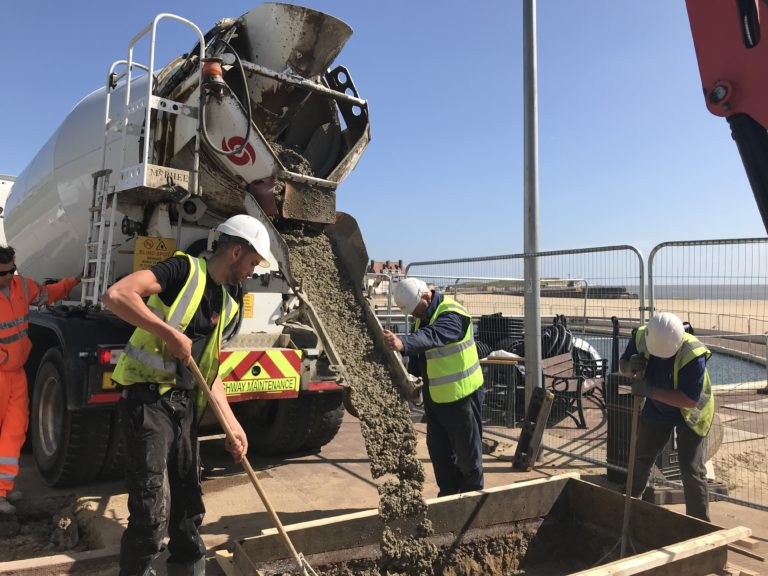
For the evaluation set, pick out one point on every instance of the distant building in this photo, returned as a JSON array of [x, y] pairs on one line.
[[385, 269], [390, 267]]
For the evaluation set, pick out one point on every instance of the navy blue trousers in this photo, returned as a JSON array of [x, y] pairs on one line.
[[454, 441]]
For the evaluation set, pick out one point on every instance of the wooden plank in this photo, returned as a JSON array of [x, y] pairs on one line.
[[226, 563], [701, 555], [651, 526], [454, 514], [736, 570], [62, 563], [748, 543], [503, 361], [748, 553], [707, 562]]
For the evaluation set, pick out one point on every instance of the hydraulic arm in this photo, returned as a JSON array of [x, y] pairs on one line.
[[732, 60]]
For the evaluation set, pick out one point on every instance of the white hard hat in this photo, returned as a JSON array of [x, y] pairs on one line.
[[408, 293], [252, 231], [664, 335]]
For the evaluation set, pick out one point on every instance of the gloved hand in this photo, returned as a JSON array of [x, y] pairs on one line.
[[637, 363], [641, 387]]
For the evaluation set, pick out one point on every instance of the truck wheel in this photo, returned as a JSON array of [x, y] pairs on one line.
[[277, 426], [325, 417], [114, 459], [68, 447]]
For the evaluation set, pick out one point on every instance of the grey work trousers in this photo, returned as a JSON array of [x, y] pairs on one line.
[[691, 450]]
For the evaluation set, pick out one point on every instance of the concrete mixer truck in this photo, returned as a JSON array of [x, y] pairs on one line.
[[6, 182], [252, 119]]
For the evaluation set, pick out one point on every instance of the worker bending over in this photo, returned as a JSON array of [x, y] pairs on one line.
[[17, 294], [442, 352], [183, 320], [670, 370]]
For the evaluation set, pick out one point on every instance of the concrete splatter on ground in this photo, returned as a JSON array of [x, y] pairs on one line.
[[40, 528], [384, 415]]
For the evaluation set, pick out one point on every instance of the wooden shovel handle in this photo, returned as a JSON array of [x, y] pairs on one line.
[[637, 402], [203, 385]]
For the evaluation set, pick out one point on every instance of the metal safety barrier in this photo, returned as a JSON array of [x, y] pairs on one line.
[[599, 296]]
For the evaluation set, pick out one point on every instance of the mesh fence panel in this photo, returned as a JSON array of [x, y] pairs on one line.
[[591, 299], [721, 288]]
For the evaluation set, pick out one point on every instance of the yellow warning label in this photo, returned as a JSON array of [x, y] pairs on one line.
[[248, 305], [269, 385], [106, 381], [148, 251]]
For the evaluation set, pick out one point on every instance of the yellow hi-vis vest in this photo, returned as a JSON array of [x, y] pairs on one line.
[[145, 357], [699, 418], [454, 370]]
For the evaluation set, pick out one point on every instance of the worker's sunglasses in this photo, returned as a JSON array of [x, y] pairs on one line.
[[6, 272]]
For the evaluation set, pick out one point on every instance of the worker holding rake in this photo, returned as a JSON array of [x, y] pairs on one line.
[[669, 367], [182, 323]]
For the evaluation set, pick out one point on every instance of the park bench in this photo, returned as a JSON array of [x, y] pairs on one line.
[[572, 381]]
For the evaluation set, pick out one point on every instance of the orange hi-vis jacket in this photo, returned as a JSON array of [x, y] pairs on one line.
[[14, 311], [14, 350]]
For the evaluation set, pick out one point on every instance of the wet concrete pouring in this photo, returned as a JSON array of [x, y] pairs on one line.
[[384, 415], [406, 547]]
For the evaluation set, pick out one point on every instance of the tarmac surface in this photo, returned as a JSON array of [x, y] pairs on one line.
[[336, 480]]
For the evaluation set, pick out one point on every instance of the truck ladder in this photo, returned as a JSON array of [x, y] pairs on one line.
[[150, 177], [142, 182], [98, 248]]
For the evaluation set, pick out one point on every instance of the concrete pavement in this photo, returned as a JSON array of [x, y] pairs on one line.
[[306, 487]]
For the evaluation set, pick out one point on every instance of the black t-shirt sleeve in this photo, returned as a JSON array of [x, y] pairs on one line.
[[171, 275]]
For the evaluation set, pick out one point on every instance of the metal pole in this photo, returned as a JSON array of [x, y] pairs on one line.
[[531, 183]]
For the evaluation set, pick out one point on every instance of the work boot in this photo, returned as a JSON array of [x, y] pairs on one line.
[[6, 507], [13, 496], [186, 568]]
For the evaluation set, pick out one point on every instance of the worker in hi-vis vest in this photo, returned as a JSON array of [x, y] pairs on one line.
[[669, 367], [17, 294], [184, 318], [442, 352]]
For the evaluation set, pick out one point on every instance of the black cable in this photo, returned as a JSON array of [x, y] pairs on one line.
[[215, 148]]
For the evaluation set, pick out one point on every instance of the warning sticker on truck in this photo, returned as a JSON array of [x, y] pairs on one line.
[[148, 251], [260, 373]]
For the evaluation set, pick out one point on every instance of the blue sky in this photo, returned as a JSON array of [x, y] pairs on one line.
[[628, 152]]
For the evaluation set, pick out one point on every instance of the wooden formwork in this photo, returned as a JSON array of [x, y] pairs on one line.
[[566, 514]]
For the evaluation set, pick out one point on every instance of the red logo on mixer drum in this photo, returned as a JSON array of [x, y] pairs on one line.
[[246, 156]]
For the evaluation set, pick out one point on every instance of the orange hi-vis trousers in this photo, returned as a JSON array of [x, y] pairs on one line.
[[14, 417]]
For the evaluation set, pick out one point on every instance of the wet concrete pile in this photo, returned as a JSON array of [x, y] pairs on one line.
[[40, 528], [384, 415], [488, 555]]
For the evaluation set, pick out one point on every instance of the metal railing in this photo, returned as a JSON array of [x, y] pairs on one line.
[[721, 288]]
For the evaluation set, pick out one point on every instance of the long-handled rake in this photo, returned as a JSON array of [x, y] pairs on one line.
[[625, 541], [297, 556]]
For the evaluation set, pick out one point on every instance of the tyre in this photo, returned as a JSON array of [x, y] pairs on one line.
[[277, 427], [326, 414], [114, 458], [68, 447]]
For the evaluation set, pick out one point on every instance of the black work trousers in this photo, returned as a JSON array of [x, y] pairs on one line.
[[163, 479], [455, 442], [652, 436]]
